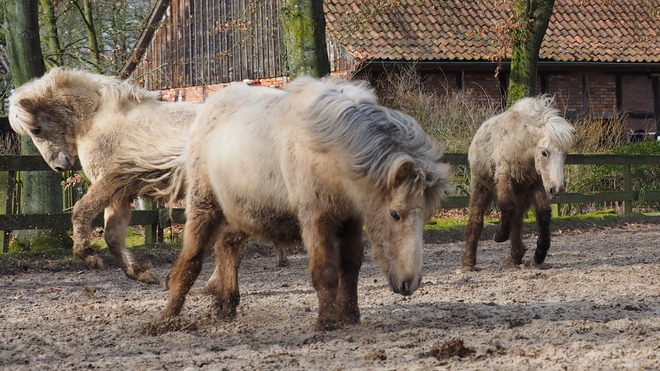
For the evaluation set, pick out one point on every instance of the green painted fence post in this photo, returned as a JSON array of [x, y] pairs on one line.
[[555, 210]]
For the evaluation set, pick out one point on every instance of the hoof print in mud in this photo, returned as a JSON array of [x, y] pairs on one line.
[[450, 349], [165, 325]]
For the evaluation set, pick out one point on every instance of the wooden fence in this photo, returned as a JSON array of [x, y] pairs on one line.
[[155, 220]]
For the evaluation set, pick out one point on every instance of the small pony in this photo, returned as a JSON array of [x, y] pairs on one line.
[[315, 161], [105, 120], [519, 156], [96, 117]]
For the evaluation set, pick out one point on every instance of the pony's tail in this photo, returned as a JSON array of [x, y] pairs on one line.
[[161, 176]]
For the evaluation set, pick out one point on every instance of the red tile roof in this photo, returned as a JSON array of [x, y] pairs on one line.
[[456, 30]]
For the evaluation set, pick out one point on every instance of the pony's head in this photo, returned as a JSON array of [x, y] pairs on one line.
[[555, 139], [397, 215], [54, 109], [395, 168]]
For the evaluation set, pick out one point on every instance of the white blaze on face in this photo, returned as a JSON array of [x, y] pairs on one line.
[[406, 272], [549, 162], [397, 243]]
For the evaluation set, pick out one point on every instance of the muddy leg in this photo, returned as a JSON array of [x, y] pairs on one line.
[[203, 218], [480, 199], [506, 199], [84, 211], [280, 252], [213, 283], [543, 218], [117, 218], [352, 255], [228, 253], [322, 247], [522, 206]]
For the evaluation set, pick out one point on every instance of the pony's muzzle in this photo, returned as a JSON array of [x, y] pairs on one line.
[[555, 191], [404, 287], [61, 163]]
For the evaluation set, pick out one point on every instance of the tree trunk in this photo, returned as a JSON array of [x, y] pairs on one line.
[[87, 14], [22, 30], [303, 22], [531, 21], [95, 54], [52, 36], [41, 190]]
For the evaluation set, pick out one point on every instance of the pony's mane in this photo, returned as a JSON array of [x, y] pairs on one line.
[[346, 120], [541, 112], [113, 92]]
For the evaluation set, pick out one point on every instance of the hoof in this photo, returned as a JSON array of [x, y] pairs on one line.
[[283, 263], [500, 237], [540, 265], [468, 268], [508, 263], [334, 323], [94, 262], [326, 325], [210, 287], [226, 313], [148, 278]]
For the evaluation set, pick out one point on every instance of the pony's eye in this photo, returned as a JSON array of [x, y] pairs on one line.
[[37, 130], [395, 215], [544, 153]]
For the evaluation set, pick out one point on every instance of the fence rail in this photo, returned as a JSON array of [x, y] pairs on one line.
[[9, 164]]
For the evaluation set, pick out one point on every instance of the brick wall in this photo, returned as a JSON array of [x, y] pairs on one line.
[[637, 93], [568, 89], [199, 94], [568, 92], [484, 85], [601, 93]]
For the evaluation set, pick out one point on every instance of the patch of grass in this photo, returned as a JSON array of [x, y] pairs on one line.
[[134, 237], [438, 230], [441, 230]]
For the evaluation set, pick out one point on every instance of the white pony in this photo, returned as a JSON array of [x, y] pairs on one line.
[[519, 156], [96, 117], [318, 160]]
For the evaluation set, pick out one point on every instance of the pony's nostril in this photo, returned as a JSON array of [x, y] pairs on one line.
[[59, 169]]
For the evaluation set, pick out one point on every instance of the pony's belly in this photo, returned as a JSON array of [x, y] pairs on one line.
[[264, 222]]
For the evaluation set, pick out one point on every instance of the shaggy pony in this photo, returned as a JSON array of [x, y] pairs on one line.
[[519, 156], [99, 118], [316, 161]]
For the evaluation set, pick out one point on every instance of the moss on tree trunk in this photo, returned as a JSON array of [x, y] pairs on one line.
[[41, 191], [530, 23], [303, 22]]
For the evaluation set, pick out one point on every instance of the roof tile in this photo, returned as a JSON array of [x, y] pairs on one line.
[[417, 29]]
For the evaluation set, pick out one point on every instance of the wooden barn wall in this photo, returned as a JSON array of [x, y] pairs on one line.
[[205, 42]]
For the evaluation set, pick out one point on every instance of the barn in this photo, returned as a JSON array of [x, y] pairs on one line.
[[599, 57]]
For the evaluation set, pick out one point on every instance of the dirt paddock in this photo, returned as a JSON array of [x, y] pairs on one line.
[[597, 307]]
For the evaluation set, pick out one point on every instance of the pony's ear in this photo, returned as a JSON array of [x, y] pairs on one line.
[[402, 170], [440, 176], [27, 104]]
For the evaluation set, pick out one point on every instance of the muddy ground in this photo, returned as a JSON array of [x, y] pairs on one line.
[[596, 308]]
